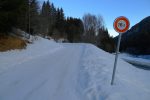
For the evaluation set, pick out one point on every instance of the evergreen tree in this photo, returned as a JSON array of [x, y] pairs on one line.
[[74, 29], [45, 18], [60, 22], [34, 16], [62, 16], [22, 19], [53, 19], [104, 41], [11, 14], [42, 19], [43, 9]]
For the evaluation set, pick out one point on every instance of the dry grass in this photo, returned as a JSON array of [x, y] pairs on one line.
[[11, 43]]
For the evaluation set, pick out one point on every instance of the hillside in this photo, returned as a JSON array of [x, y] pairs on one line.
[[137, 39]]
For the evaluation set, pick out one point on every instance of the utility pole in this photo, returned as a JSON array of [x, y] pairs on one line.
[[29, 19]]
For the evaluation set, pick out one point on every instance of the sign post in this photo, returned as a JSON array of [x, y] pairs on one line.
[[121, 25]]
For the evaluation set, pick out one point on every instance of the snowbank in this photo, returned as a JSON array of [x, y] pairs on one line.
[[130, 83]]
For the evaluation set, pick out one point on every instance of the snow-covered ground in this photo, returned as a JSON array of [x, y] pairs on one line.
[[144, 56], [143, 60], [50, 71], [39, 48]]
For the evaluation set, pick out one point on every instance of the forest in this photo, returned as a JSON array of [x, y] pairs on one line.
[[47, 20]]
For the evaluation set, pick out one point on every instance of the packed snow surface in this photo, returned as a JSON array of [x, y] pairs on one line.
[[46, 70]]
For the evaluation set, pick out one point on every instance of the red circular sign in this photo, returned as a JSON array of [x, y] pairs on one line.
[[121, 24]]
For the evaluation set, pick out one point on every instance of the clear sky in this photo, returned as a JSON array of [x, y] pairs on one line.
[[134, 10]]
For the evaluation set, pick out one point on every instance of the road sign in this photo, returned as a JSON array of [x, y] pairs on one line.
[[121, 25]]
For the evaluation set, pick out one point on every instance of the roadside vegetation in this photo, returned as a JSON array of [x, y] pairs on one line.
[[9, 42]]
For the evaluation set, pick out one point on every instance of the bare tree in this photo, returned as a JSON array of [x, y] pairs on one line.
[[92, 24]]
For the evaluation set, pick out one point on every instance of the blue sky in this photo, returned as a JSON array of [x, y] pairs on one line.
[[134, 10]]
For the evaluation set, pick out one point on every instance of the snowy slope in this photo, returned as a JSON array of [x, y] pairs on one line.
[[50, 71]]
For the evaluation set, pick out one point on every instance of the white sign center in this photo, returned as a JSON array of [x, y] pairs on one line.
[[121, 24]]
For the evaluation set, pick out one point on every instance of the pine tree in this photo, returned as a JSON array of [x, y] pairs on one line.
[[45, 18], [62, 16], [104, 41], [22, 19], [43, 9], [74, 29], [60, 22], [53, 11], [34, 20], [11, 14], [53, 19]]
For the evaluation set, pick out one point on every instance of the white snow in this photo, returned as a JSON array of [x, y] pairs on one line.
[[131, 83], [41, 47], [50, 71], [137, 60], [144, 56]]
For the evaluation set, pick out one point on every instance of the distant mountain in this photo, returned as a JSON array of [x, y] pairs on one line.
[[137, 39]]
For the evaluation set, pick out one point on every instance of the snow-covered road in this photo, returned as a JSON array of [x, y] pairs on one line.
[[50, 77]]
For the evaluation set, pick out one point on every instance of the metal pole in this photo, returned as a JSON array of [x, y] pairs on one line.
[[116, 59]]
